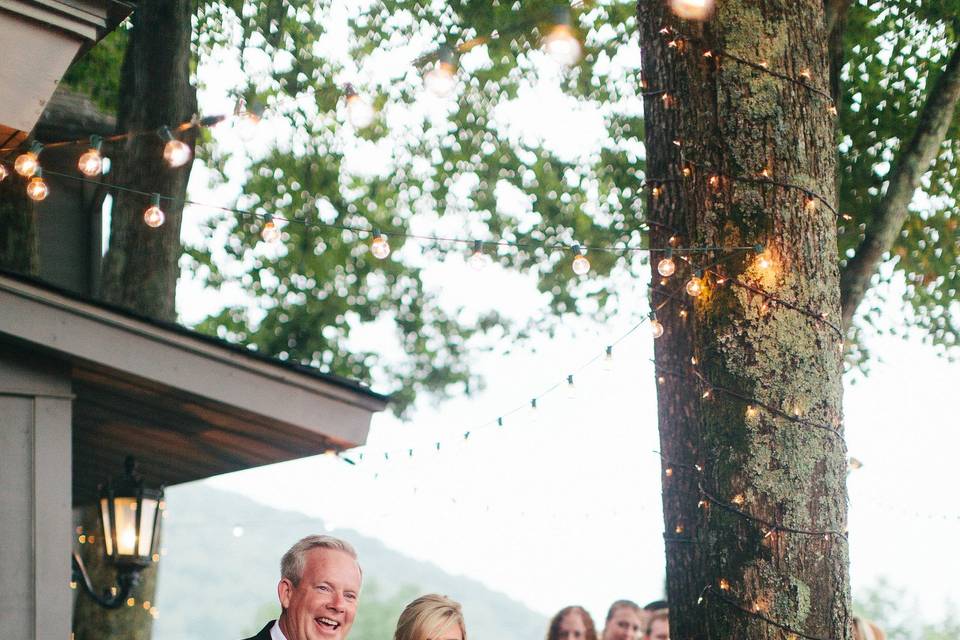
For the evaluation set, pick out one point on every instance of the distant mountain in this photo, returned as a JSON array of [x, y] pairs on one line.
[[219, 575]]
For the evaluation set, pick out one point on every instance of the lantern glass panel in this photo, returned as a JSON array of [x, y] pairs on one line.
[[107, 531], [148, 511], [125, 511]]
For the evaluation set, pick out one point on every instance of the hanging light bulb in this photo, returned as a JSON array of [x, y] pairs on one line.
[[359, 112], [692, 9], [270, 231], [477, 259], [246, 118], [91, 162], [4, 172], [379, 246], [153, 216], [561, 43], [655, 327], [176, 152], [695, 285], [667, 267], [581, 266], [37, 187], [28, 162], [441, 79]]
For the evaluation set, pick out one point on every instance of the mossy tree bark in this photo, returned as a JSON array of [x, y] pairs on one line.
[[764, 436], [141, 266]]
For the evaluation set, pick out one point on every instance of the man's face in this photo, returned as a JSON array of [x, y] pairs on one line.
[[572, 627], [659, 630], [323, 605], [625, 624]]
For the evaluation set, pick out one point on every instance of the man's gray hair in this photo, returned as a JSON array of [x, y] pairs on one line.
[[293, 561]]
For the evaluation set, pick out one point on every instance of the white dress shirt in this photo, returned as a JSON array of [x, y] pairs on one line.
[[275, 633]]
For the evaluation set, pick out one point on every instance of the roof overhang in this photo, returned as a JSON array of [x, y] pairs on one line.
[[187, 406]]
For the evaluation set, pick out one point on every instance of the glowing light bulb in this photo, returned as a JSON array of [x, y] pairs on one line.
[[4, 172], [561, 43], [153, 216], [581, 266], [359, 112], [656, 328], [26, 164], [441, 79], [270, 231], [667, 267], [694, 286], [668, 472], [738, 500], [477, 259], [724, 584], [656, 191], [37, 188], [763, 262], [176, 153], [379, 246], [90, 163]]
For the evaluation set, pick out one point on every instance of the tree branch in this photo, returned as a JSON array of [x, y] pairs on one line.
[[904, 178]]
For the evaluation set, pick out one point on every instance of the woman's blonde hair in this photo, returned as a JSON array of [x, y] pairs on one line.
[[864, 629], [427, 616]]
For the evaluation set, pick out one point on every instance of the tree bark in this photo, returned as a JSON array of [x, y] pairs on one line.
[[912, 162], [749, 385], [141, 266]]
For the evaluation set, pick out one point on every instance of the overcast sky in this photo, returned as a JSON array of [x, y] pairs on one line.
[[563, 506]]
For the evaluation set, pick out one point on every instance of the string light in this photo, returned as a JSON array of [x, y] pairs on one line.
[[655, 327], [571, 389], [153, 216], [667, 267], [176, 153], [90, 163], [3, 172], [270, 231], [37, 188], [692, 9], [694, 285], [379, 246], [359, 112], [246, 119], [441, 79], [561, 43], [581, 266], [28, 162]]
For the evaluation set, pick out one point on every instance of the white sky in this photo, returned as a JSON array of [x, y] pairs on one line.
[[564, 507]]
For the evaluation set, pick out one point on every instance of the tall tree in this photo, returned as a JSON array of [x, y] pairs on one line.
[[750, 394]]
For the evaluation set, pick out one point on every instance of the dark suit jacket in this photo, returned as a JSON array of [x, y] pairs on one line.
[[264, 633]]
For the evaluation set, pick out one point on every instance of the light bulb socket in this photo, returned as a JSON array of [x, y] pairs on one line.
[[38, 173], [668, 253], [349, 91], [377, 233], [478, 246], [577, 250], [570, 379], [96, 143], [155, 200], [759, 248], [446, 55], [165, 134], [36, 147], [698, 273], [560, 14]]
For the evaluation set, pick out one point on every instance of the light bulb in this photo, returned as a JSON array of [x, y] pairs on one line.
[[379, 246], [270, 231], [694, 286], [666, 267], [581, 266], [561, 43], [692, 9], [4, 172], [359, 112], [441, 79], [90, 163], [656, 328], [477, 259], [37, 188], [176, 153], [154, 216], [26, 164], [763, 262]]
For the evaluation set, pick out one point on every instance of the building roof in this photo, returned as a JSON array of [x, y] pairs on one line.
[[188, 406]]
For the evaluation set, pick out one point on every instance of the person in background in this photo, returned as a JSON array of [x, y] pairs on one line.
[[658, 625], [431, 617], [864, 629], [572, 623], [319, 589], [625, 621]]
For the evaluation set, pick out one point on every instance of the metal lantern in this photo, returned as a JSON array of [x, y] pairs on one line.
[[130, 516]]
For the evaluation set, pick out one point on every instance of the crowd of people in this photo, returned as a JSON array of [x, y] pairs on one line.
[[319, 590]]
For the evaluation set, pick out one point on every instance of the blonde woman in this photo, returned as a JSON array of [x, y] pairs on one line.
[[431, 617]]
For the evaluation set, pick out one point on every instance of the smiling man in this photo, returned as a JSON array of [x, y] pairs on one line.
[[319, 589]]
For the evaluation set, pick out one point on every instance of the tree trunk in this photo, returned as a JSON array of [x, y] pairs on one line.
[[749, 384], [141, 266]]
